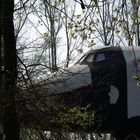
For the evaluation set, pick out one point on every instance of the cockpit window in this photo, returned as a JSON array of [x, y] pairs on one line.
[[81, 59], [100, 57], [87, 59], [90, 58]]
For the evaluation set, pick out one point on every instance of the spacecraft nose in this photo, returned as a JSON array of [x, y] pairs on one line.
[[67, 80]]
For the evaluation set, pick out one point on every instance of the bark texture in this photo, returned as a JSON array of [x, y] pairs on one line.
[[9, 65]]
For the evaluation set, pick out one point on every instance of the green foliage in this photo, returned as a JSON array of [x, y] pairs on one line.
[[138, 83], [46, 34], [61, 1], [70, 25], [92, 43], [114, 19], [76, 117], [137, 78], [84, 36], [80, 50]]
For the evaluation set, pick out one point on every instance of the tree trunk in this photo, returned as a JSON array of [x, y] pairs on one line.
[[0, 42], [8, 45]]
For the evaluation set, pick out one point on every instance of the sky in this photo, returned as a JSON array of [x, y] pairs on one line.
[[33, 33]]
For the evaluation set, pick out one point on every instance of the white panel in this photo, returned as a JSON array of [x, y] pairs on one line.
[[67, 80], [133, 90], [114, 94]]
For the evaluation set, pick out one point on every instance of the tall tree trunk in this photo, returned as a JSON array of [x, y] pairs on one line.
[[0, 42], [11, 128]]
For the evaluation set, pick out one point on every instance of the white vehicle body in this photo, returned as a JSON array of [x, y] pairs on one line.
[[132, 57]]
